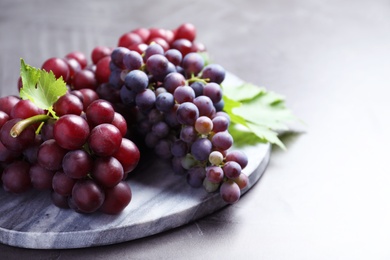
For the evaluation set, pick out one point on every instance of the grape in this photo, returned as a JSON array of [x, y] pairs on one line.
[[79, 57], [187, 113], [165, 102], [128, 155], [47, 129], [117, 56], [99, 53], [195, 176], [230, 192], [99, 111], [89, 96], [6, 155], [84, 79], [213, 91], [31, 152], [203, 125], [68, 104], [50, 155], [25, 109], [162, 149], [216, 158], [7, 103], [179, 148], [62, 184], [157, 65], [87, 196], [192, 64], [77, 164], [73, 67], [71, 131], [104, 139], [214, 174], [154, 116], [174, 56], [137, 81], [41, 178], [205, 106], [210, 186], [232, 169], [171, 118], [188, 134], [174, 80], [177, 167], [186, 31], [183, 45], [151, 139], [242, 181], [116, 198], [140, 48], [107, 171], [132, 60], [120, 122], [184, 94], [145, 100], [220, 124], [109, 92], [153, 49], [102, 73], [222, 140], [129, 39], [239, 157], [188, 161], [198, 88], [16, 177], [59, 200], [20, 142], [143, 33], [201, 149], [214, 73], [127, 96], [58, 66], [161, 129]]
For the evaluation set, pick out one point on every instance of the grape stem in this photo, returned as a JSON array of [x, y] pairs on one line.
[[19, 127]]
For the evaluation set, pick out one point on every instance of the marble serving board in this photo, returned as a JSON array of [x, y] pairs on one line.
[[161, 201]]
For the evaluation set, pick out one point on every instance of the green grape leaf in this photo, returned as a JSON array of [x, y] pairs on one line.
[[257, 115], [40, 87]]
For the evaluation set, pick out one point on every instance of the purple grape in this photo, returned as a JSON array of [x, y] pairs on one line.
[[195, 176], [213, 91], [201, 149], [214, 73], [230, 191], [222, 140], [137, 81], [232, 169], [187, 113], [132, 60], [184, 94], [165, 102], [145, 100]]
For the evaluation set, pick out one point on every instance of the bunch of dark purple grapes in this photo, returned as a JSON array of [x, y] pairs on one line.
[[179, 108]]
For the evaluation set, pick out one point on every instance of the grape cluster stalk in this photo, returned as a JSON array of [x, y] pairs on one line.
[[155, 89]]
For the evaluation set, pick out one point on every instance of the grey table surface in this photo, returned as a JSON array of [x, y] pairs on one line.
[[327, 196]]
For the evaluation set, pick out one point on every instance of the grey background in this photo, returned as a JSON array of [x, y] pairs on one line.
[[327, 196]]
